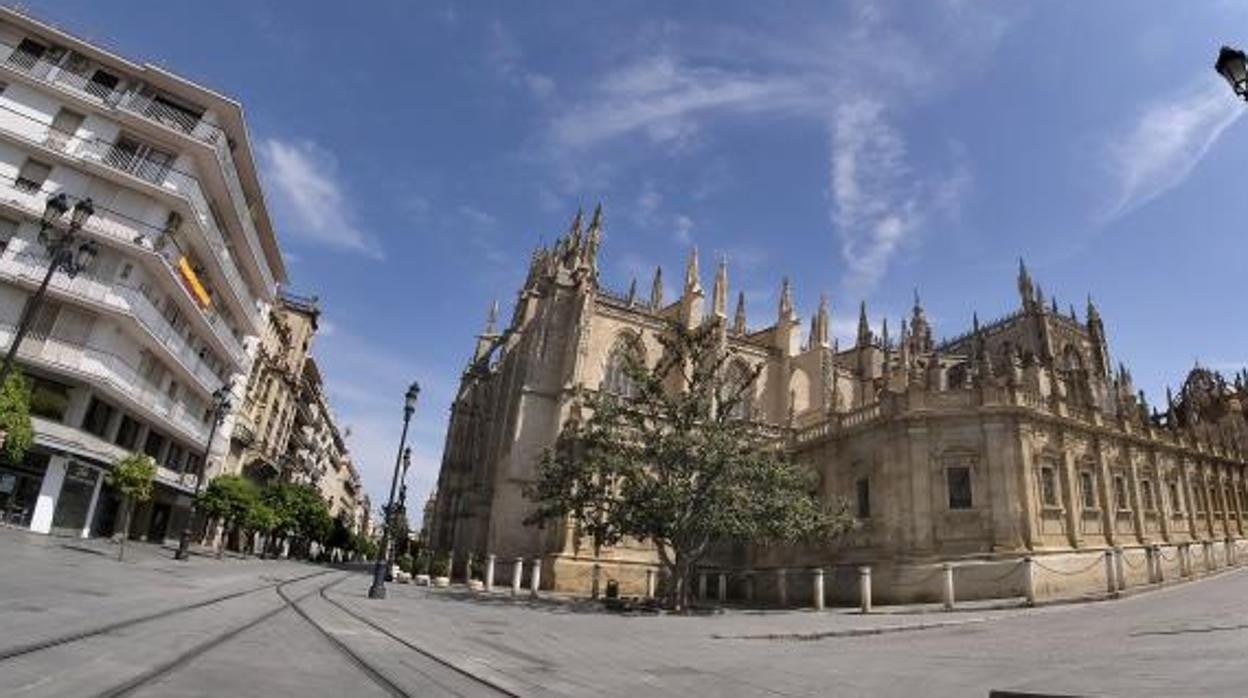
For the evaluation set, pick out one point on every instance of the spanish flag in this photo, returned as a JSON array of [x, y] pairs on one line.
[[193, 283]]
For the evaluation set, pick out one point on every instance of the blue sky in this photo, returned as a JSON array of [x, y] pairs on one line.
[[414, 153]]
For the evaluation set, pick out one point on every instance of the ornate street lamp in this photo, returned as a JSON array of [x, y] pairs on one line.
[[1231, 64], [220, 407], [378, 589], [64, 256]]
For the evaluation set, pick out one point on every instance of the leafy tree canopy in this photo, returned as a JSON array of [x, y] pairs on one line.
[[15, 417], [133, 475]]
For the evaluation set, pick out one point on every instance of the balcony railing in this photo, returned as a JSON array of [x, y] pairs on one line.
[[90, 363], [122, 299], [152, 109], [109, 223]]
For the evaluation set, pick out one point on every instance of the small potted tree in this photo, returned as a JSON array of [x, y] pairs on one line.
[[422, 568], [132, 477], [440, 570], [476, 576]]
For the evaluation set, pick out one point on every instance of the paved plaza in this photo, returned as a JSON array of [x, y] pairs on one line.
[[231, 628]]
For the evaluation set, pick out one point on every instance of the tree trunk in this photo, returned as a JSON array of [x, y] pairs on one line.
[[127, 508], [597, 570]]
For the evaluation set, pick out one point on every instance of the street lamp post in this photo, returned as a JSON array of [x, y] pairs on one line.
[[1233, 66], [220, 406], [378, 589], [63, 256]]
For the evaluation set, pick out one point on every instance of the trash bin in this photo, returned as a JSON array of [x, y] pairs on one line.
[[613, 589]]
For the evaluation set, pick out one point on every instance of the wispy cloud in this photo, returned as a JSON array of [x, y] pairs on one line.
[[507, 58], [304, 178], [1168, 139]]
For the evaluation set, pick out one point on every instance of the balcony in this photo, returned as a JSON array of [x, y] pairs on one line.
[[103, 368], [120, 300], [96, 85], [126, 231]]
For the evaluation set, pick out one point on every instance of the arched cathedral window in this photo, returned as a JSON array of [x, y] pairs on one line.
[[617, 379]]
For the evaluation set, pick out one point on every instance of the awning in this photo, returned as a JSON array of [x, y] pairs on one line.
[[193, 283]]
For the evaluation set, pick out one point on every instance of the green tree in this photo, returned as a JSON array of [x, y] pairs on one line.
[[228, 500], [300, 514], [676, 466], [260, 518], [16, 433], [132, 477]]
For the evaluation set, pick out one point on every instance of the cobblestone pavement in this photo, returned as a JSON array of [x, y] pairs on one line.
[[1185, 639]]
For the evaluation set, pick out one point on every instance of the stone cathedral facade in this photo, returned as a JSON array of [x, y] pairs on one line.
[[1018, 437]]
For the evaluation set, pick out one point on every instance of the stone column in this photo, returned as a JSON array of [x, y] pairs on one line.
[[468, 567], [1070, 495], [1134, 492], [1105, 488], [535, 577], [947, 577], [817, 584], [517, 573], [1161, 572], [650, 583], [489, 572], [864, 589], [49, 493], [782, 586], [1026, 470], [1111, 581], [722, 590], [702, 586], [1029, 580]]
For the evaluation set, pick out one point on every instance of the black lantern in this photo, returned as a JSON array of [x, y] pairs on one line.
[[1231, 64], [82, 211], [409, 400], [86, 254], [56, 207]]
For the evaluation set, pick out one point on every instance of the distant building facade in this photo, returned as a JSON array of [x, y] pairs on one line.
[[1018, 437], [125, 356]]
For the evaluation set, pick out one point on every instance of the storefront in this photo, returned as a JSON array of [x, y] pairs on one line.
[[19, 488]]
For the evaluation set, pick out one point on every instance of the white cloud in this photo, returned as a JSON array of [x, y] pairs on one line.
[[305, 181], [1167, 141], [507, 58], [684, 229]]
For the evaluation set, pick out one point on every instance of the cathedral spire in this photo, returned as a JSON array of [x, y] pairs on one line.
[[1026, 291], [819, 327], [884, 333], [656, 289], [1094, 317], [738, 322], [786, 301], [485, 340], [693, 280], [593, 238], [719, 294], [864, 328], [491, 320], [632, 292]]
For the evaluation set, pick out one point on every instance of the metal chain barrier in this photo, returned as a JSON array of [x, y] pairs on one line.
[[1064, 573], [1132, 565], [1013, 569]]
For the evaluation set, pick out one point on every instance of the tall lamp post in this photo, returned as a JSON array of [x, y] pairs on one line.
[[64, 256], [378, 589], [220, 406], [1231, 64]]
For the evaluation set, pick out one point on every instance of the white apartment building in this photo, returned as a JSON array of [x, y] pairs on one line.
[[124, 356]]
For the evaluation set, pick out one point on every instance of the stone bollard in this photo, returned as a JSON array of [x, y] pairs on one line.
[[1150, 565], [817, 584], [650, 583], [722, 591], [701, 586], [782, 586], [468, 568], [489, 572], [535, 577], [517, 573], [1161, 573], [1111, 581], [1230, 552], [1029, 581], [864, 589], [1120, 570], [1209, 556], [947, 576], [1184, 570]]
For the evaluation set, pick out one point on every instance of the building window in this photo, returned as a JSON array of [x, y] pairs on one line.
[[27, 54], [617, 379], [1048, 487], [140, 159], [8, 231], [1176, 500], [959, 481], [32, 175], [102, 84], [154, 444], [128, 433], [1087, 487], [1120, 494], [1146, 495], [99, 414], [173, 459], [864, 498], [64, 125]]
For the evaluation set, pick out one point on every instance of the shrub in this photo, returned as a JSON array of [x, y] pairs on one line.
[[440, 567]]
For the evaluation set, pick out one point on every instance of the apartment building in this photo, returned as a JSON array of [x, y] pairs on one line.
[[125, 355]]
